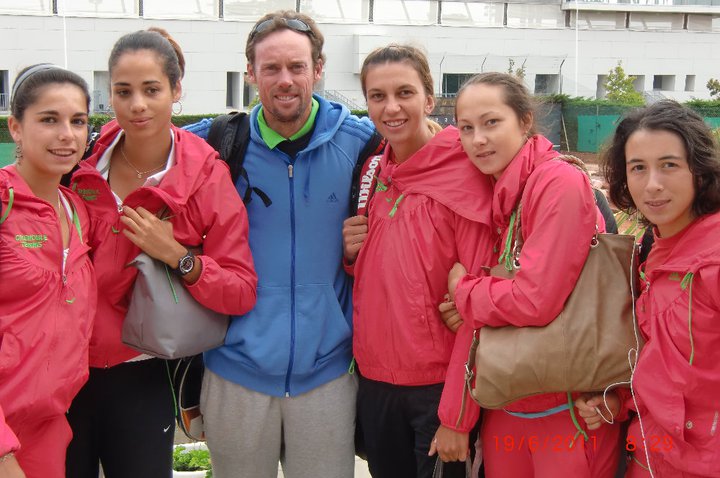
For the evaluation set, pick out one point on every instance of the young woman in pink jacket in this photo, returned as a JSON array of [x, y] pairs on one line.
[[663, 163], [141, 165], [48, 292], [429, 210], [558, 218]]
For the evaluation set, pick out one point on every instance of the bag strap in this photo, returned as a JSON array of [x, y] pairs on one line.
[[365, 174], [511, 255], [440, 465], [469, 373]]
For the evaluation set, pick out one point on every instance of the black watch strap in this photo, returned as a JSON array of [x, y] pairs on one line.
[[185, 265]]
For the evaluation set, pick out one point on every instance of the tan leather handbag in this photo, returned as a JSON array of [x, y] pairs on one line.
[[588, 347]]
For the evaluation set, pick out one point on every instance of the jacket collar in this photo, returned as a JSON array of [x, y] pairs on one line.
[[191, 169], [510, 186], [442, 171], [698, 246]]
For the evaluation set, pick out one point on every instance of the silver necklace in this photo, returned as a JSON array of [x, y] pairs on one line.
[[140, 174]]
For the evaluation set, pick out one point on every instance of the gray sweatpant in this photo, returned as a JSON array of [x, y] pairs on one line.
[[248, 432]]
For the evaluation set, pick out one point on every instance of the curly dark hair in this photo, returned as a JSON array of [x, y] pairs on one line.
[[700, 146]]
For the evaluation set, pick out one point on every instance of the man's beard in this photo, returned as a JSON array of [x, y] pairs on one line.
[[291, 117]]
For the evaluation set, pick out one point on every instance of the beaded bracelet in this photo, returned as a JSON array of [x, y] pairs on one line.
[[6, 457]]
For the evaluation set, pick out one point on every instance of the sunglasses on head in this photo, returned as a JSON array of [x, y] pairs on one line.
[[291, 23]]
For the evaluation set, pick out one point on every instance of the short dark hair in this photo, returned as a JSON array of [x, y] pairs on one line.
[[394, 53], [278, 22], [517, 96], [156, 40], [30, 80], [700, 147]]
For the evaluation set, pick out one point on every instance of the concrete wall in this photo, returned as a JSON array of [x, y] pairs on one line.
[[648, 44]]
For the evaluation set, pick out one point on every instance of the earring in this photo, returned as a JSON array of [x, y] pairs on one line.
[[18, 153], [180, 110]]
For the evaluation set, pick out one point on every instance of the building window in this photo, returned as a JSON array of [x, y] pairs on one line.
[[252, 10], [339, 11], [664, 82], [4, 91], [13, 6], [232, 95], [600, 90], [690, 83], [405, 12], [470, 13], [193, 9], [101, 91], [249, 92], [547, 84], [98, 8], [452, 82]]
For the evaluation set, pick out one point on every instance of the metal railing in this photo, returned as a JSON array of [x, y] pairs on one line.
[[336, 96], [4, 102]]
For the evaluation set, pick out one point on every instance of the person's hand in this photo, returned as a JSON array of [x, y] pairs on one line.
[[451, 445], [592, 409], [10, 468], [153, 235], [456, 273], [449, 314], [354, 232]]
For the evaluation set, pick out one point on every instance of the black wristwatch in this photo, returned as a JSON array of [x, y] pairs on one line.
[[185, 265]]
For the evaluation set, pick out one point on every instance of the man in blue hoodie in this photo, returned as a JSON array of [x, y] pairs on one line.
[[281, 388]]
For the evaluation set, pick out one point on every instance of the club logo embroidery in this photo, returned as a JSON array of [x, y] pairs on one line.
[[31, 241], [88, 194]]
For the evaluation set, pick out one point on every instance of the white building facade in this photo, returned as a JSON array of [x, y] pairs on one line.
[[672, 47]]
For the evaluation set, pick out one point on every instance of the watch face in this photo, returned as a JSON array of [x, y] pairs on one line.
[[186, 264]]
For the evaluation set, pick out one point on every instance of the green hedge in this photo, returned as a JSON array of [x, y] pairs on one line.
[[572, 108]]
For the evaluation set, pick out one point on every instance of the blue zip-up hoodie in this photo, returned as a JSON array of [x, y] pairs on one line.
[[298, 336]]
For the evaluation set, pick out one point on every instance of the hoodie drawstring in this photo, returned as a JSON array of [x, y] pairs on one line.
[[506, 255], [11, 199], [687, 284]]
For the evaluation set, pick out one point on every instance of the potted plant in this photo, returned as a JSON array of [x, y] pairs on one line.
[[191, 460]]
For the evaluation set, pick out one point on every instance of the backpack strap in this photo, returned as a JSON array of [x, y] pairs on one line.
[[230, 135], [365, 173]]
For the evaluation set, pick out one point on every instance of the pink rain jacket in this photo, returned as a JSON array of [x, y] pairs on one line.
[[558, 221], [677, 379], [207, 212], [429, 212], [45, 314]]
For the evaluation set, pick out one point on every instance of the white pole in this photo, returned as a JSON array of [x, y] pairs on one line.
[[65, 52], [577, 45]]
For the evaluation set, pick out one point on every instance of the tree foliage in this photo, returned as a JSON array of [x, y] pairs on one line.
[[517, 72], [713, 85], [619, 87]]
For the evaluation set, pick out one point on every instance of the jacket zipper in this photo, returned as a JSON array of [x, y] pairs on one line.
[[292, 278]]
